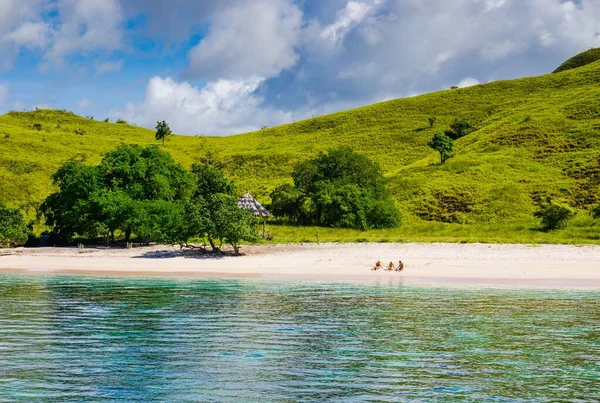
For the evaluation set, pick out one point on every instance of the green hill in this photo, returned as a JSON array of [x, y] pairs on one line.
[[580, 60], [535, 138]]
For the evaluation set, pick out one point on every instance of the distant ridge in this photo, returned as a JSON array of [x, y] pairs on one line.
[[580, 60]]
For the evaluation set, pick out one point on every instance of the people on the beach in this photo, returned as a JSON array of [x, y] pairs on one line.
[[400, 266], [390, 267]]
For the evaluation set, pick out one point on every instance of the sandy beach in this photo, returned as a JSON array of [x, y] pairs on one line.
[[541, 265]]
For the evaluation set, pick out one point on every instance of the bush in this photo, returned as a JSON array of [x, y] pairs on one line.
[[13, 229], [460, 127], [337, 189], [121, 122], [554, 215]]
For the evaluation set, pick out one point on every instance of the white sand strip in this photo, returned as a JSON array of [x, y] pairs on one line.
[[552, 265]]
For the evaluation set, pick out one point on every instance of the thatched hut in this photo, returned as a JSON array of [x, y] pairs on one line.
[[249, 203]]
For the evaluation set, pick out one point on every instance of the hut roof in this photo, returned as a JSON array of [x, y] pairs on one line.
[[249, 203]]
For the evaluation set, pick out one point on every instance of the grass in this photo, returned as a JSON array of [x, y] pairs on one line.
[[536, 137]]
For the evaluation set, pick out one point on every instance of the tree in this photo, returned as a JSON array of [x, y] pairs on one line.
[[595, 212], [131, 191], [13, 229], [339, 188], [162, 131], [232, 224], [554, 215], [461, 127], [442, 144], [431, 120]]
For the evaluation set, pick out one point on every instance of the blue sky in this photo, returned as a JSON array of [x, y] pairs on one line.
[[223, 67]]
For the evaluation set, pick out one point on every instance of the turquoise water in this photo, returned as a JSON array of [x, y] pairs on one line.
[[74, 339]]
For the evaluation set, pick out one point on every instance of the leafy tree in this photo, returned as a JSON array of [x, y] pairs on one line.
[[128, 192], [162, 131], [67, 210], [432, 119], [459, 128], [554, 215], [231, 223], [13, 229], [336, 189], [442, 144], [595, 212]]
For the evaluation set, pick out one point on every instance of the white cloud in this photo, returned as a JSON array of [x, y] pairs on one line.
[[85, 26], [249, 39], [221, 107], [467, 82], [34, 35], [351, 15], [83, 104], [4, 93], [108, 67]]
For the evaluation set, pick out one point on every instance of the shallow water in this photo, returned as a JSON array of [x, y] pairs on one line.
[[68, 339]]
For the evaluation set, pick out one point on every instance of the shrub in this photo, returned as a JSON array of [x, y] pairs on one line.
[[554, 215], [13, 229], [460, 127], [121, 122], [337, 189]]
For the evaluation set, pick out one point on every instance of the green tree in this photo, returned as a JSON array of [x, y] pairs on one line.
[[128, 192], [432, 119], [442, 144], [231, 223], [461, 127], [162, 131], [595, 212], [554, 215], [336, 189], [13, 229]]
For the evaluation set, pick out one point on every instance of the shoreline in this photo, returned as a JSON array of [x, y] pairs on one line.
[[555, 266]]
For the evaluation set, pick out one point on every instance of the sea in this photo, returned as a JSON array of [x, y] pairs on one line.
[[132, 339]]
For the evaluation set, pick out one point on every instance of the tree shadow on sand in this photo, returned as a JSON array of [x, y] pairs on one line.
[[185, 253]]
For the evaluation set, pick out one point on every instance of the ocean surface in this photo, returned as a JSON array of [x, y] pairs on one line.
[[97, 339]]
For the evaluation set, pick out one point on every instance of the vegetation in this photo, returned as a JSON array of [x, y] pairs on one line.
[[535, 138], [337, 189], [13, 229], [554, 215], [442, 144], [461, 127], [580, 60], [432, 119], [162, 131], [141, 191]]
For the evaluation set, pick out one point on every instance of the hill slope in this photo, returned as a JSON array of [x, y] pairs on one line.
[[580, 60], [536, 137]]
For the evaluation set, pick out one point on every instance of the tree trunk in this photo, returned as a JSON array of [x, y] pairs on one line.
[[236, 248], [127, 234], [212, 244]]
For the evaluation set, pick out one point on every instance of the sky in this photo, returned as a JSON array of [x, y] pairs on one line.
[[218, 67]]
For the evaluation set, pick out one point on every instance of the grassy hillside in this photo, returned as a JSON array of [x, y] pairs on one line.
[[536, 137], [580, 60]]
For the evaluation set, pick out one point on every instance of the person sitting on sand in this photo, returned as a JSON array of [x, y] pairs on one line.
[[391, 267], [377, 266], [400, 266]]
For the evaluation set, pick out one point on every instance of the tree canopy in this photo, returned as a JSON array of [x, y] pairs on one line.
[[442, 144], [162, 131], [13, 228], [140, 191], [339, 188]]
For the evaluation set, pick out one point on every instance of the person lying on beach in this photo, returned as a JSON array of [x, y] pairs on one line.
[[391, 267], [377, 266], [400, 266]]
